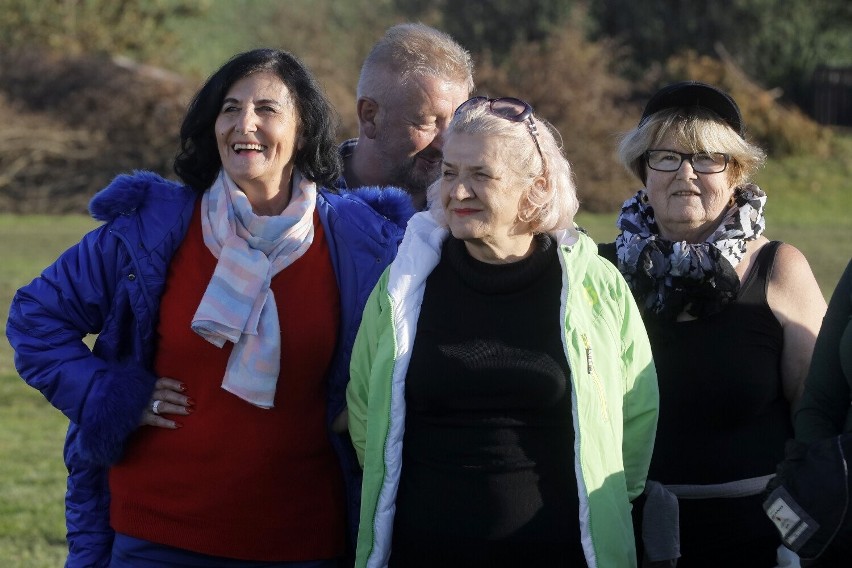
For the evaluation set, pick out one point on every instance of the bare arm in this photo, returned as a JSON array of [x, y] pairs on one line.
[[796, 300]]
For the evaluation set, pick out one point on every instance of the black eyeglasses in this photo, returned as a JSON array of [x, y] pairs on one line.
[[510, 108], [701, 162]]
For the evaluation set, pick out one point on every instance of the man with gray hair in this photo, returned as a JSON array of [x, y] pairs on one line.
[[411, 83]]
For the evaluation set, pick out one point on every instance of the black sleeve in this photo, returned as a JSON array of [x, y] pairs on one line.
[[607, 250]]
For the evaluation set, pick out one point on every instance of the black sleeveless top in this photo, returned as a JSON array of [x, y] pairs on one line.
[[723, 414], [723, 417]]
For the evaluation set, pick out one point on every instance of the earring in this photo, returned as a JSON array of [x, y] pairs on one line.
[[733, 200]]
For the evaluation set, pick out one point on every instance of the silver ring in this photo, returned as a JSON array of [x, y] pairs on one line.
[[155, 408]]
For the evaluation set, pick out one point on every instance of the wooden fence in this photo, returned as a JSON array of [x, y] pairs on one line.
[[833, 95]]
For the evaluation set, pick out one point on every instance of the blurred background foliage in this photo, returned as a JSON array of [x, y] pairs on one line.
[[92, 88]]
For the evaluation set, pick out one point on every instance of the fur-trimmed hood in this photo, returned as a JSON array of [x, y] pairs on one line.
[[127, 192], [393, 203]]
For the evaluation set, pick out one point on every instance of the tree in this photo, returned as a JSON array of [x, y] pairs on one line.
[[778, 42], [793, 37], [74, 27], [492, 26], [570, 83]]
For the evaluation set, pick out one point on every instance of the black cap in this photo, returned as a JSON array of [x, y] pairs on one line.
[[694, 94]]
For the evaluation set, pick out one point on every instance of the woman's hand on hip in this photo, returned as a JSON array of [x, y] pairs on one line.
[[168, 398]]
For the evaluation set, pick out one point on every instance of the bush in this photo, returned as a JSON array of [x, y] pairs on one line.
[[571, 83], [781, 129], [73, 123], [136, 29]]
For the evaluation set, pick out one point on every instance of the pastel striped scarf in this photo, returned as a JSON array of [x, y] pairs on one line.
[[238, 305]]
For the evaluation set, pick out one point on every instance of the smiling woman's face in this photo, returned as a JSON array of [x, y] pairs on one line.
[[687, 206], [257, 132]]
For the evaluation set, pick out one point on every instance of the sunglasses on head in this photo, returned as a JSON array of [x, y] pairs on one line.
[[510, 108]]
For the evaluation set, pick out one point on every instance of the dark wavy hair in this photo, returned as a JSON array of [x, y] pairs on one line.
[[198, 161]]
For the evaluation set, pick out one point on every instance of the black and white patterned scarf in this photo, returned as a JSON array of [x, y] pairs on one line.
[[670, 277]]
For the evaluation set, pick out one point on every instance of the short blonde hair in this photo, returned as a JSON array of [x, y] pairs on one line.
[[698, 130], [409, 51], [546, 207]]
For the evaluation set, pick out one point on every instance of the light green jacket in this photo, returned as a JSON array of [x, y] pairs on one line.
[[614, 395]]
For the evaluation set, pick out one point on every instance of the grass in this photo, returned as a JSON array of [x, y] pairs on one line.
[[32, 475], [29, 244], [809, 206], [32, 478]]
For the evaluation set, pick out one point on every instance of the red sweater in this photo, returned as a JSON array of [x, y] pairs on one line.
[[239, 481]]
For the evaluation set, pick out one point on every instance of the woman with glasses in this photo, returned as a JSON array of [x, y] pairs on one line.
[[732, 319], [502, 399]]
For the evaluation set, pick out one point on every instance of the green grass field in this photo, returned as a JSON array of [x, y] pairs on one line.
[[32, 476], [809, 206]]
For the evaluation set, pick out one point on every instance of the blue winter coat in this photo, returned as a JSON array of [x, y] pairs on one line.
[[110, 284]]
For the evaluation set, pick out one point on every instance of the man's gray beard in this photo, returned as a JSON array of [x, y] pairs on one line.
[[408, 178]]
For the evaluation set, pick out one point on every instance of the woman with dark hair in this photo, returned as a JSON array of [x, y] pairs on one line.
[[199, 161], [203, 425]]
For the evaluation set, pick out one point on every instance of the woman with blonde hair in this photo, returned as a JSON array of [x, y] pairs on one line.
[[503, 400], [732, 318]]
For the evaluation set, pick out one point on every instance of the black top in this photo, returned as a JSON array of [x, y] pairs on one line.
[[825, 408], [488, 463], [723, 413], [723, 417]]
